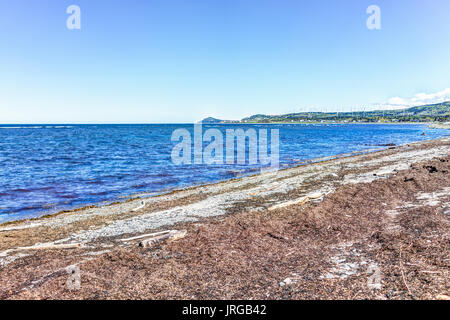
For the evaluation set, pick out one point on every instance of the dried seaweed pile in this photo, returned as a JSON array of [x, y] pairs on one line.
[[320, 250]]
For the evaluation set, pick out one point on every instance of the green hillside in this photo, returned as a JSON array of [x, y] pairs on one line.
[[428, 113]]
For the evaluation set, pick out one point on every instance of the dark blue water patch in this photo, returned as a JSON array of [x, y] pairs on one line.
[[49, 168]]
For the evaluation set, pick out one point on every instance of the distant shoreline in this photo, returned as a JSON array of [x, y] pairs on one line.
[[318, 122], [437, 125], [439, 112]]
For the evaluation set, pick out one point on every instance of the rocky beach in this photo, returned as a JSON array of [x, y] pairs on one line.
[[367, 226]]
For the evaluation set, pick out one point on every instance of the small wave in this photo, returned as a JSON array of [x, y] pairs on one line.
[[21, 190], [37, 189], [380, 145], [101, 193], [162, 175], [141, 185], [58, 127], [163, 182], [97, 182], [30, 208], [234, 172], [34, 127], [67, 196]]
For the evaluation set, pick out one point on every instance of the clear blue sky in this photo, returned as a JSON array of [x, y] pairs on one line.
[[181, 60]]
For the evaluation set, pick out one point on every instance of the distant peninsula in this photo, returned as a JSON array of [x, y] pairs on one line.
[[427, 113]]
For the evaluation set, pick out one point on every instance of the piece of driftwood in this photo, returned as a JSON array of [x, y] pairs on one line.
[[170, 236], [442, 297], [299, 201], [176, 235], [148, 235], [44, 246], [20, 227]]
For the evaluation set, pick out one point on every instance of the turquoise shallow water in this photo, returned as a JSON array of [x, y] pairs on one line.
[[49, 168]]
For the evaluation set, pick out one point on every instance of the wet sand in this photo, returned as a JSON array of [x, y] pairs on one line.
[[370, 226]]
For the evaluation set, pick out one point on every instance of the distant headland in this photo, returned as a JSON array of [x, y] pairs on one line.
[[427, 113]]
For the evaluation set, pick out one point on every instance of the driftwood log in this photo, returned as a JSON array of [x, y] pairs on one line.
[[299, 201], [148, 235], [43, 246], [172, 235]]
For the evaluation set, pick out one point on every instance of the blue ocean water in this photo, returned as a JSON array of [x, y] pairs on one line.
[[49, 168]]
